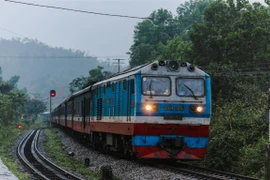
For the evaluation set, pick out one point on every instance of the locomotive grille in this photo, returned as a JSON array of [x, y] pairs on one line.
[[167, 142]]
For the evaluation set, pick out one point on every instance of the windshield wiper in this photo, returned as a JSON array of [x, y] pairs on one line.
[[150, 88], [195, 97]]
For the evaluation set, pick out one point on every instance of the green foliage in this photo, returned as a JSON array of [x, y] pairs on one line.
[[5, 87], [14, 80], [176, 49], [57, 152], [252, 161], [34, 106], [149, 35], [11, 107], [77, 84], [238, 122], [8, 135], [154, 38], [189, 13], [96, 74], [232, 32], [235, 126], [144, 54], [11, 100]]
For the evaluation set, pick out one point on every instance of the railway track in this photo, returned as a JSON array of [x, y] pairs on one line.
[[203, 173], [41, 167]]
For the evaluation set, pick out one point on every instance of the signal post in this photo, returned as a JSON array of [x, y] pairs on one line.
[[267, 152], [52, 94]]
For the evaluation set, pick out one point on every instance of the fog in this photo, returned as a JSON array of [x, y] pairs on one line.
[[105, 37], [97, 35]]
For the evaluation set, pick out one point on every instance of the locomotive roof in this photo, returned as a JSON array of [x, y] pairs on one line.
[[145, 68]]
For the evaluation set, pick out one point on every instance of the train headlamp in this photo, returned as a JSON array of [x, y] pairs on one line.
[[191, 68], [154, 66], [197, 109], [173, 65], [150, 108]]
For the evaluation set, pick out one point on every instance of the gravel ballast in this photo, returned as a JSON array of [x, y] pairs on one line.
[[122, 168]]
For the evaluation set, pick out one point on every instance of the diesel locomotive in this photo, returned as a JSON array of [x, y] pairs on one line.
[[159, 110]]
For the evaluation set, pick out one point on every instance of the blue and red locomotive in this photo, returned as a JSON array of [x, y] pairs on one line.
[[158, 110]]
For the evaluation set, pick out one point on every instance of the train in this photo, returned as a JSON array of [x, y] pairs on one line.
[[158, 110]]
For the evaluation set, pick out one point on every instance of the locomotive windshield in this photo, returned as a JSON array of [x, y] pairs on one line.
[[156, 86], [190, 87]]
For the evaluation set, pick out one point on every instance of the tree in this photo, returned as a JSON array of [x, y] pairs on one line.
[[96, 74], [232, 32], [152, 36], [11, 101], [188, 13], [34, 106], [77, 84], [176, 49], [149, 34], [14, 80]]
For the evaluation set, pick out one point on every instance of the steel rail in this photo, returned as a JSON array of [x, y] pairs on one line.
[[54, 166], [196, 171], [41, 167]]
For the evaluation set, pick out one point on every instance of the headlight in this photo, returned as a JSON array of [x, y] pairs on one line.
[[197, 109], [173, 65], [150, 107]]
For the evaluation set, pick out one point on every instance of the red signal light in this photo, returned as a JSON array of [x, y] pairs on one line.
[[52, 93], [19, 126]]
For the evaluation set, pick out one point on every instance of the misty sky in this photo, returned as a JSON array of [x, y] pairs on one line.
[[96, 35]]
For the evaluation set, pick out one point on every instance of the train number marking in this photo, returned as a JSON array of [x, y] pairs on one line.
[[173, 117], [176, 108]]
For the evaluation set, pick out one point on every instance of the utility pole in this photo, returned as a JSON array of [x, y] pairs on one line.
[[119, 62], [267, 152]]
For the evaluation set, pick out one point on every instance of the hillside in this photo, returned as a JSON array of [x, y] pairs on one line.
[[42, 67]]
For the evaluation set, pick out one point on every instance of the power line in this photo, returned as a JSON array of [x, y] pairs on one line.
[[60, 57], [11, 32], [75, 10]]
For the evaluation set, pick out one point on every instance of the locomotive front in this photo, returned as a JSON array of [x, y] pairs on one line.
[[173, 108]]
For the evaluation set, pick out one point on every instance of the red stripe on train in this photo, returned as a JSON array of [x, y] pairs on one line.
[[143, 128], [172, 129], [151, 129]]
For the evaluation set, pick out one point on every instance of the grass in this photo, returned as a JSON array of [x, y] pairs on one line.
[[55, 148], [8, 135]]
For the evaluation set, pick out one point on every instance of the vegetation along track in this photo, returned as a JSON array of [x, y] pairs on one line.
[[203, 173], [41, 167]]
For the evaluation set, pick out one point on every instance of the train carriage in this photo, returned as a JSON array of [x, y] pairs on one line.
[[158, 110]]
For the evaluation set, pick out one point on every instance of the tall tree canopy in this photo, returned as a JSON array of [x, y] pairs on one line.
[[154, 37], [232, 32], [150, 34], [96, 74], [11, 100]]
